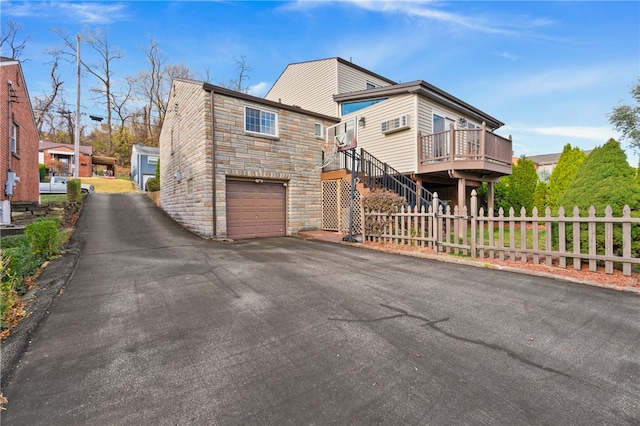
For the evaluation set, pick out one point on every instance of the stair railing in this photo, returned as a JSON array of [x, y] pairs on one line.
[[376, 174]]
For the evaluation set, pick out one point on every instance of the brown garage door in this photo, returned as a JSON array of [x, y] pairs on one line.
[[255, 209]]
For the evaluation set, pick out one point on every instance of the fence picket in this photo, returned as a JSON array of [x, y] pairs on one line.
[[562, 240], [608, 240], [547, 236], [512, 234], [534, 235], [626, 240], [523, 235], [593, 266], [577, 260]]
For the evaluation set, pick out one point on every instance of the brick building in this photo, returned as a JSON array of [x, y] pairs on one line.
[[58, 158], [239, 166], [19, 176]]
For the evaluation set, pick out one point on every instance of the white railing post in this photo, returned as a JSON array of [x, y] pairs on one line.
[[474, 223]]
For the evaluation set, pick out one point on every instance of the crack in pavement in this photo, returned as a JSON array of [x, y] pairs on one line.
[[433, 324]]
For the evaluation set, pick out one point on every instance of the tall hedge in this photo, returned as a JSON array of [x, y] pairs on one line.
[[517, 190], [563, 174], [73, 190], [604, 178]]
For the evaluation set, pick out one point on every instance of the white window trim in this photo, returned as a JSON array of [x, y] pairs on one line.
[[261, 109], [321, 135]]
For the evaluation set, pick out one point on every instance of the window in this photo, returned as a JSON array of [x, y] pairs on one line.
[[260, 121], [152, 160], [14, 138], [318, 131], [441, 142], [349, 107]]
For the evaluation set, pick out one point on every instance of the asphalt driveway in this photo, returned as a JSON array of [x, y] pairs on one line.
[[159, 327]]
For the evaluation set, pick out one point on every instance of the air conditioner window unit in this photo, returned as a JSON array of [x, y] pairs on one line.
[[396, 124]]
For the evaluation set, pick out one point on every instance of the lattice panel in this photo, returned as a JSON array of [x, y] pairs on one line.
[[330, 220], [345, 188], [335, 207]]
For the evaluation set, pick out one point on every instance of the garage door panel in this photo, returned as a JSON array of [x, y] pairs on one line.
[[255, 210]]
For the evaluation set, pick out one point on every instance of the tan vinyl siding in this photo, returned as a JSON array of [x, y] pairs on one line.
[[428, 108], [424, 116], [309, 85], [353, 80], [398, 149]]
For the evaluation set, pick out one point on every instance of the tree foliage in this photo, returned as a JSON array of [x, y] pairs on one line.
[[626, 118], [517, 190], [563, 174], [540, 197], [604, 178]]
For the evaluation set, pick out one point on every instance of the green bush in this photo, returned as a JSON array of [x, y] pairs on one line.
[[73, 190], [605, 179], [152, 185], [43, 171], [8, 294], [158, 173], [43, 237], [563, 174]]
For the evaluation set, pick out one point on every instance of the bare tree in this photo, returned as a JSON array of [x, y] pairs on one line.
[[238, 83], [8, 39], [43, 106], [98, 41], [153, 86]]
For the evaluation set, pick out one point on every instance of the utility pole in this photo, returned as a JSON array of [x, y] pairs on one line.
[[76, 151]]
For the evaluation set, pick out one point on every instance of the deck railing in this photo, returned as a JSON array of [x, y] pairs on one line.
[[464, 145]]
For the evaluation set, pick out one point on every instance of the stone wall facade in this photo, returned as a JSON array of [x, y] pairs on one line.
[[23, 213], [204, 142]]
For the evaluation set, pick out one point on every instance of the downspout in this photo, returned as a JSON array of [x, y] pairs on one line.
[[213, 163], [6, 201]]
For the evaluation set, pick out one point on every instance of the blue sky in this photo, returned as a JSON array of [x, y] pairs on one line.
[[551, 71]]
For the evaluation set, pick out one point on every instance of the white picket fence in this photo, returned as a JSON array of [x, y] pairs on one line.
[[517, 238]]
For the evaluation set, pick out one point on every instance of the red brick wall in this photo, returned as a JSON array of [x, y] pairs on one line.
[[85, 161], [25, 161]]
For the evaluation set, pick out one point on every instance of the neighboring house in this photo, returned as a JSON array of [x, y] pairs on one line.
[[143, 164], [238, 166], [59, 159], [18, 141], [545, 163], [443, 143]]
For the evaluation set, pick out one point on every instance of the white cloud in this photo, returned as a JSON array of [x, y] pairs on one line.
[[82, 12], [509, 56], [598, 134], [259, 89]]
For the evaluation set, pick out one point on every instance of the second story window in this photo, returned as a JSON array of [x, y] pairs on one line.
[[349, 107], [260, 121], [14, 138]]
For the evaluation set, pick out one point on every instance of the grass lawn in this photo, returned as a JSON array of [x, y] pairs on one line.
[[109, 185]]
